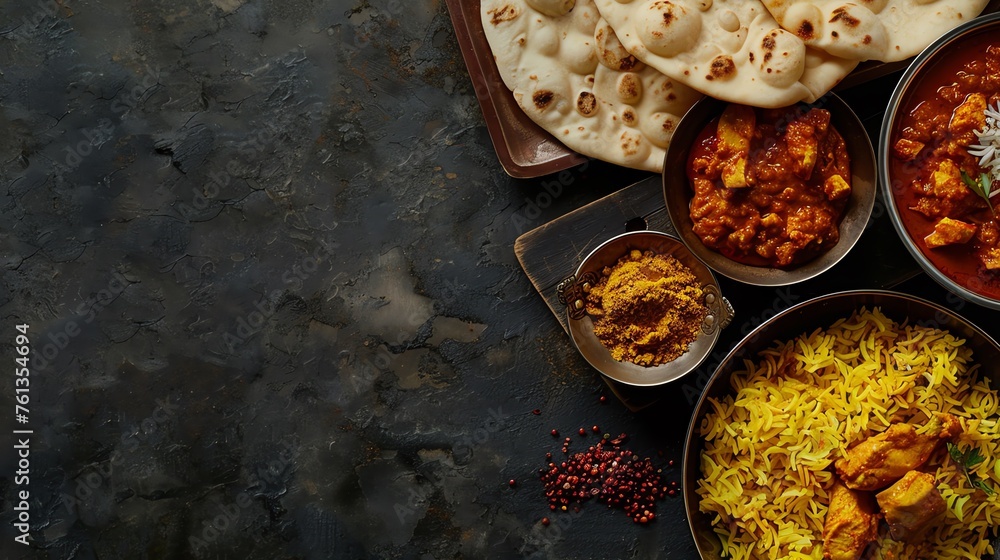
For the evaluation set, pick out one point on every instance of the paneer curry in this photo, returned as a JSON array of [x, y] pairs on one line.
[[770, 185], [953, 225]]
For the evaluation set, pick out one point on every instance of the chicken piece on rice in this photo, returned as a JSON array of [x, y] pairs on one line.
[[910, 505], [884, 458], [851, 523]]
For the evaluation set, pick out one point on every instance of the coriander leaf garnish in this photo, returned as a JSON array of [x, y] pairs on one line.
[[983, 187], [956, 454], [968, 461], [973, 458], [982, 486]]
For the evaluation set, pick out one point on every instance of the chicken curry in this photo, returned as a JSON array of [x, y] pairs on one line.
[[770, 185], [953, 225]]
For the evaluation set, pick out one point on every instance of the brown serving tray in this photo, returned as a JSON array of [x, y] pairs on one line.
[[525, 149]]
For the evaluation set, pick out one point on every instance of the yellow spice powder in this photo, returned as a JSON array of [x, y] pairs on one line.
[[647, 308]]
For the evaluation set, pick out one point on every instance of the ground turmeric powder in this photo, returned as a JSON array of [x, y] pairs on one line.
[[647, 308]]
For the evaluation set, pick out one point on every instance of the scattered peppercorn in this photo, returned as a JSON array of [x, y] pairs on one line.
[[603, 399], [545, 521], [555, 433], [612, 475], [512, 483], [583, 432], [536, 412], [596, 429]]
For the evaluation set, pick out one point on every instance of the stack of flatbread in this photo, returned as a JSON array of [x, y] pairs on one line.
[[611, 78]]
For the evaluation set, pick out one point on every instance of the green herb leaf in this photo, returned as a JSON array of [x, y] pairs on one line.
[[956, 453], [983, 486], [982, 187], [968, 460], [973, 458]]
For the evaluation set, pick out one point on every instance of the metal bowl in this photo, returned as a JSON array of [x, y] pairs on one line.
[[678, 194], [801, 319], [572, 293], [933, 54]]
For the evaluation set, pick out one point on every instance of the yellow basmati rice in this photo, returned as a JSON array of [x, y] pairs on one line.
[[767, 467]]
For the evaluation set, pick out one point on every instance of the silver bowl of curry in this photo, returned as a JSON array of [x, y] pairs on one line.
[[939, 160], [643, 310], [770, 197]]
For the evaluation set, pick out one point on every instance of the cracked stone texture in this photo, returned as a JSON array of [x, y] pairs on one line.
[[265, 250]]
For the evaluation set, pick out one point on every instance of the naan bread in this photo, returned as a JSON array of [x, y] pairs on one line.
[[732, 50], [886, 30], [572, 76]]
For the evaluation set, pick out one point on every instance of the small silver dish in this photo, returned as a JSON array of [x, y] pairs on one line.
[[677, 193], [572, 293]]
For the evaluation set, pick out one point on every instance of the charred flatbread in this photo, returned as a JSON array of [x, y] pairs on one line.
[[730, 50], [570, 74], [885, 30]]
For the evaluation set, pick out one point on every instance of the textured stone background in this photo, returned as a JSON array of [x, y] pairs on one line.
[[265, 250]]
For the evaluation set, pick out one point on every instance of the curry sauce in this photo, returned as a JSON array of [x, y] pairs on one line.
[[952, 226], [770, 185]]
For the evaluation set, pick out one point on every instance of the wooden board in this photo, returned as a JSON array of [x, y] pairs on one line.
[[552, 252]]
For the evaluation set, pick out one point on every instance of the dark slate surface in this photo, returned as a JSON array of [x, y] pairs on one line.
[[265, 253]]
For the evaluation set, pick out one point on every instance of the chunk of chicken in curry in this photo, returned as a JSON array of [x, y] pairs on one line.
[[884, 458], [942, 195]]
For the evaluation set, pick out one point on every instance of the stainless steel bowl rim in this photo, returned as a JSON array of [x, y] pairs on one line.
[[852, 224], [885, 187], [686, 475], [710, 340]]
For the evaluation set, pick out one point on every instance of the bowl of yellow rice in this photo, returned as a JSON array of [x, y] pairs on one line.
[[809, 385]]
